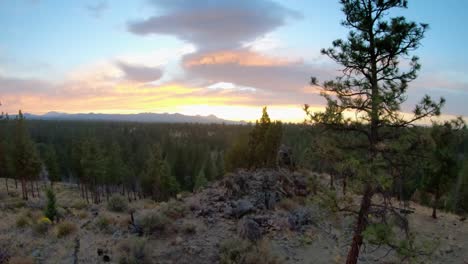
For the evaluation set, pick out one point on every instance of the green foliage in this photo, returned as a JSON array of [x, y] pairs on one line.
[[117, 203], [236, 155], [444, 165], [259, 149], [201, 180], [51, 164], [158, 180], [51, 207], [154, 221], [173, 209], [103, 223], [379, 234], [264, 141]]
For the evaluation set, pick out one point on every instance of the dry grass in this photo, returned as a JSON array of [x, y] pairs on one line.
[[65, 228]]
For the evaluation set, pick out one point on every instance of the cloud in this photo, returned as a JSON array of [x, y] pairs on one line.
[[140, 73], [211, 24], [238, 57], [96, 9], [12, 85]]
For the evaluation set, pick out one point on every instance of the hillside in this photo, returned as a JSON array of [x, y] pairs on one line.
[[276, 209]]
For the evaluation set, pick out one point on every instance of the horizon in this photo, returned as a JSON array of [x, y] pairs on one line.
[[203, 58]]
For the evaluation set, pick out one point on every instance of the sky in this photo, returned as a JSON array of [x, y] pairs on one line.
[[223, 57]]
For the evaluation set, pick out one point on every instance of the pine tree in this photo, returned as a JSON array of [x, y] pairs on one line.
[[157, 179], [200, 181], [372, 88], [51, 164], [27, 163], [51, 208], [444, 163], [93, 166]]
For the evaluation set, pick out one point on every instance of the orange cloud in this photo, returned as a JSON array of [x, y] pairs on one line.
[[240, 57]]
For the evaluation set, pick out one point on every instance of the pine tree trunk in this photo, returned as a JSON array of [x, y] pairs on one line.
[[434, 205], [361, 225], [332, 178], [16, 184], [345, 182], [37, 189], [6, 184], [86, 194], [32, 189]]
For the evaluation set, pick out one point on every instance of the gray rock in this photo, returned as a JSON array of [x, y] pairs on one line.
[[242, 207], [247, 228], [299, 218]]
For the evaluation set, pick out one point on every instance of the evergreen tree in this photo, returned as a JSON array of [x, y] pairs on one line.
[[27, 163], [444, 163], [372, 88], [93, 166], [157, 179], [201, 180], [51, 208], [51, 164]]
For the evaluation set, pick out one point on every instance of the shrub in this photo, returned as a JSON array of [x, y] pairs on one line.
[[82, 214], [287, 204], [51, 208], [189, 228], [174, 209], [154, 221], [42, 226], [79, 204], [103, 223], [117, 203], [134, 251], [238, 251], [65, 228], [22, 221]]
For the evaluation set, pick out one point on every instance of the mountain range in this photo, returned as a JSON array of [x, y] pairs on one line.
[[141, 117]]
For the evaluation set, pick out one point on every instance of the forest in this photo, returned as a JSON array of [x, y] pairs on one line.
[[160, 160]]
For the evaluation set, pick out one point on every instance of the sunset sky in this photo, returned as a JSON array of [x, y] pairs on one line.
[[223, 57]]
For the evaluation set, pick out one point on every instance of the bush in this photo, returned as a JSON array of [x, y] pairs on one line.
[[238, 251], [42, 226], [22, 221], [154, 221], [79, 204], [134, 251], [117, 203], [65, 228], [174, 209], [82, 214], [287, 204], [103, 223], [189, 228]]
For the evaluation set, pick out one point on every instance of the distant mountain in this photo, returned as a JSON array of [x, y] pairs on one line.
[[142, 117]]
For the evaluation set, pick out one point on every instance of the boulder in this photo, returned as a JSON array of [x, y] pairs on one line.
[[247, 228], [242, 207]]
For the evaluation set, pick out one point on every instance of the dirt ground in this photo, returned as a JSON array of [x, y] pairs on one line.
[[324, 242]]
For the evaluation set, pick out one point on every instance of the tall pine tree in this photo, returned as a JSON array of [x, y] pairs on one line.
[[372, 88]]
